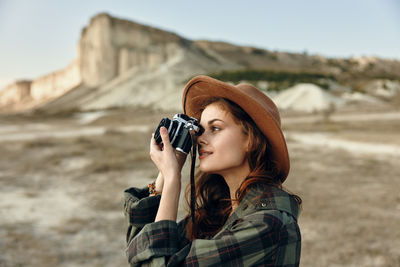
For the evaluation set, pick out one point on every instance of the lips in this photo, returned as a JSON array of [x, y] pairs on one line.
[[204, 153]]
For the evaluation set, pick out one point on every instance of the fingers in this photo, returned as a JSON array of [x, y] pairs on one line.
[[153, 144], [163, 155], [164, 145], [165, 138]]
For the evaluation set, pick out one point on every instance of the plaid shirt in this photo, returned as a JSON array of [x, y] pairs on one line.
[[263, 231]]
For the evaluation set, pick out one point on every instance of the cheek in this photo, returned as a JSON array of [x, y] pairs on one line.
[[232, 149], [228, 152], [236, 142]]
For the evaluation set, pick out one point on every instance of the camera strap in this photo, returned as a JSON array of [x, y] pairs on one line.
[[193, 152]]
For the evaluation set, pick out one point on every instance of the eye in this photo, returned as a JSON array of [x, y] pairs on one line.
[[215, 129]]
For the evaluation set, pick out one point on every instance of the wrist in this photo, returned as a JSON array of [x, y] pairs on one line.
[[159, 183], [171, 176], [174, 184]]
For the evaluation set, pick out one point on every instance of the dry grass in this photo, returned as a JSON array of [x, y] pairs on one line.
[[349, 213]]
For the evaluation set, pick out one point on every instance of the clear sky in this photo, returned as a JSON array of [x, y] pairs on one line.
[[40, 36]]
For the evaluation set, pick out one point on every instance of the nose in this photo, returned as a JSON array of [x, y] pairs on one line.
[[201, 140]]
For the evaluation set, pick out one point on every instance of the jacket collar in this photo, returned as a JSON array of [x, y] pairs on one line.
[[261, 197]]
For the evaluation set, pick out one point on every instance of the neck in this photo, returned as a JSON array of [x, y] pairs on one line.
[[234, 179]]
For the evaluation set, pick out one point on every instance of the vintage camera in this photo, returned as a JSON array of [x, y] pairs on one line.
[[179, 129]]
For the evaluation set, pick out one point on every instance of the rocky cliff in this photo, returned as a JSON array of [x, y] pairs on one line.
[[123, 63], [109, 47], [119, 63]]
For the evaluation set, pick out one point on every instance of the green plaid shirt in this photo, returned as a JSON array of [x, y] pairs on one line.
[[263, 231]]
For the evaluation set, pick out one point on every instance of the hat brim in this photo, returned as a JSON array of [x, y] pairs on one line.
[[254, 102]]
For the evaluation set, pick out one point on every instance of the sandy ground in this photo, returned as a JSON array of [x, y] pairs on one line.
[[62, 180]]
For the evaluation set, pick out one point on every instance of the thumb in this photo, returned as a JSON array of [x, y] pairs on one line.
[[165, 137]]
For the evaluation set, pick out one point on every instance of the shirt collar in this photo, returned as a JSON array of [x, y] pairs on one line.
[[262, 197]]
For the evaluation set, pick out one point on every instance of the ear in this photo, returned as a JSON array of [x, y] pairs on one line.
[[247, 144]]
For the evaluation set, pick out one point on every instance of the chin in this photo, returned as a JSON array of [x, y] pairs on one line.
[[206, 169], [202, 169], [209, 169]]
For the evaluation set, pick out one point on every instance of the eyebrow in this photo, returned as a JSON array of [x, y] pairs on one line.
[[213, 120]]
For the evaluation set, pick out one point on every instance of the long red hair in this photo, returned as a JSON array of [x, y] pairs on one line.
[[213, 202]]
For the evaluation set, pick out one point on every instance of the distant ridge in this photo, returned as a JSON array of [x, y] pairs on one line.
[[122, 63]]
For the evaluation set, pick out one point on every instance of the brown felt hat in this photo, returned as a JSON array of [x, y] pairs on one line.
[[257, 105]]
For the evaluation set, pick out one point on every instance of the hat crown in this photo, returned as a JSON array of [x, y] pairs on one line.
[[262, 99]]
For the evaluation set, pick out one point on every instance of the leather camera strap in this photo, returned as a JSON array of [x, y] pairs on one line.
[[193, 152]]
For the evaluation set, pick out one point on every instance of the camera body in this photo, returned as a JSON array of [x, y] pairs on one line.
[[179, 129]]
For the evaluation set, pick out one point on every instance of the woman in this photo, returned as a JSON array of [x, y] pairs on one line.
[[243, 217]]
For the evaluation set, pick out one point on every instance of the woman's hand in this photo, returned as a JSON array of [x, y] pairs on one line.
[[168, 161]]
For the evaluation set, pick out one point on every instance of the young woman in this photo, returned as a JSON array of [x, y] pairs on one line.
[[243, 217]]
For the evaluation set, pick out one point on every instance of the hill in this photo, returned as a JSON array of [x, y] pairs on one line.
[[121, 63]]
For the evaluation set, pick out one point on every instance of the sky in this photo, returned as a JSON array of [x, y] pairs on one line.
[[40, 36]]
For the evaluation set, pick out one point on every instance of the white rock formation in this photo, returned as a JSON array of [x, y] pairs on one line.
[[383, 88], [120, 63], [306, 97], [359, 97], [15, 93]]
